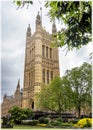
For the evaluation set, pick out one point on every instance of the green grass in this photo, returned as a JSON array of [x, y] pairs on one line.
[[27, 127]]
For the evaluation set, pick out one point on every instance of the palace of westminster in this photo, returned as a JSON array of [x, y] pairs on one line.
[[41, 66]]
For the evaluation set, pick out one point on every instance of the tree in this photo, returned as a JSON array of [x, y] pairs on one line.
[[78, 19], [54, 96], [22, 3], [19, 114], [80, 79], [77, 16], [73, 90]]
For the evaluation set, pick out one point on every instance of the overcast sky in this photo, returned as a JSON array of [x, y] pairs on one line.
[[14, 24]]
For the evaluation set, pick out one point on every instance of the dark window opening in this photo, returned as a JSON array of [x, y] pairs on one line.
[[43, 75], [47, 76], [43, 49], [47, 52]]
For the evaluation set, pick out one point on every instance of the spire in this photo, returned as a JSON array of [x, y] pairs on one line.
[[18, 85], [29, 31], [5, 96], [41, 14], [38, 19], [54, 30]]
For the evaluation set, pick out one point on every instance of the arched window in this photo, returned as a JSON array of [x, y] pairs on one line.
[[47, 52], [29, 79], [33, 105], [50, 53], [30, 55], [51, 75], [47, 76], [43, 50], [43, 75]]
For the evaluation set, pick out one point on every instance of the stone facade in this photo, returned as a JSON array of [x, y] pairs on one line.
[[41, 62], [41, 66], [10, 101]]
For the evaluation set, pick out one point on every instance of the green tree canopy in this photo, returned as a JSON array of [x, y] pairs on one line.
[[18, 114], [76, 15], [74, 90], [54, 96], [80, 79], [78, 20]]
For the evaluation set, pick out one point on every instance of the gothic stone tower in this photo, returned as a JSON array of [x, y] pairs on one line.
[[41, 62]]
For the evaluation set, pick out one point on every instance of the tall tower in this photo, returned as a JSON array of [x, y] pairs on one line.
[[41, 62]]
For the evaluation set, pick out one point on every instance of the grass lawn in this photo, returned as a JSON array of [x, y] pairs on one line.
[[28, 127]]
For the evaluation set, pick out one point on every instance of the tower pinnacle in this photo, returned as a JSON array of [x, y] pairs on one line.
[[18, 85], [54, 30], [29, 31], [38, 19]]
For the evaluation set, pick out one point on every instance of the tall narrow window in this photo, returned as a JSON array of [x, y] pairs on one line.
[[47, 52], [43, 75], [47, 76], [43, 50], [32, 78], [34, 51], [30, 55], [29, 80], [50, 53], [51, 75]]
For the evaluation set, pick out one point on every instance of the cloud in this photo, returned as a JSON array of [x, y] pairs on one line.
[[74, 58], [13, 37]]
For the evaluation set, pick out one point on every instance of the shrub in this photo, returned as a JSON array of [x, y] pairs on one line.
[[41, 124], [59, 119], [32, 122], [46, 121], [56, 123], [66, 124], [86, 122], [43, 120]]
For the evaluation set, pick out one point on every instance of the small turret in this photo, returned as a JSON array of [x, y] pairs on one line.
[[17, 92], [38, 19], [5, 96], [54, 29], [18, 85], [29, 31]]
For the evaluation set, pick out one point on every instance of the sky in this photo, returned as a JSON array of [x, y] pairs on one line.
[[14, 23]]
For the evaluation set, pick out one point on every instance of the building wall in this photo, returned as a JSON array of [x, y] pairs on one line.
[[41, 63], [10, 101], [41, 66]]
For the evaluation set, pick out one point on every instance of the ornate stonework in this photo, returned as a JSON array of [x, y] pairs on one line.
[[41, 66], [10, 101], [41, 62]]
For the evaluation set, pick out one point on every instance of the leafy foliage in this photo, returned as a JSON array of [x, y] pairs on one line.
[[74, 90], [54, 96], [19, 114], [22, 3], [43, 120], [81, 84], [86, 122], [77, 17]]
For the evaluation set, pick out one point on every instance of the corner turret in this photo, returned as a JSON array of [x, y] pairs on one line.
[[54, 29], [38, 21], [17, 92], [29, 31], [18, 85]]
